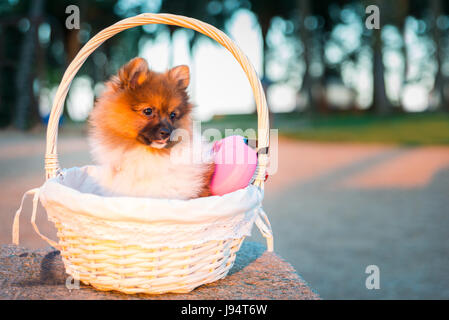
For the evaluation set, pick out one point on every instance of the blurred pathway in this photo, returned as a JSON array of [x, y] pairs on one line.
[[334, 208], [337, 208]]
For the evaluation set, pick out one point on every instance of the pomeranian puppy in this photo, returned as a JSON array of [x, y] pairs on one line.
[[129, 134]]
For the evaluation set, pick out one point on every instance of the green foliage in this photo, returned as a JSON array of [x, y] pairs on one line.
[[409, 129], [403, 129]]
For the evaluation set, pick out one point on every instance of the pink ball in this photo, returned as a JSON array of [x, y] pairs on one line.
[[235, 163]]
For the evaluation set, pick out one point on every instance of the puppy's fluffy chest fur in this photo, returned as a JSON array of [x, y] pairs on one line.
[[139, 172]]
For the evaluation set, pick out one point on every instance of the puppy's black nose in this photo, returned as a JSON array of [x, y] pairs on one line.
[[164, 133]]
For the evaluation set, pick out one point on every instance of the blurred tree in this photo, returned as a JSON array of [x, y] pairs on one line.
[[380, 102], [321, 34], [183, 8], [402, 7], [10, 40], [304, 13], [265, 11], [334, 19], [26, 112], [403, 10], [65, 43], [439, 86], [313, 25], [316, 16], [213, 12], [58, 50]]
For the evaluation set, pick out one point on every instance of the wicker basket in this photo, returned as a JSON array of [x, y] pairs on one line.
[[109, 264]]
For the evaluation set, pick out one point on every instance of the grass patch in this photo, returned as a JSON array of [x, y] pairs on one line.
[[401, 129]]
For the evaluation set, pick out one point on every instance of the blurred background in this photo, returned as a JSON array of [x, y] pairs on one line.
[[362, 114]]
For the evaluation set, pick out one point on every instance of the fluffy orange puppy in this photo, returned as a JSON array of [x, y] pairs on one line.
[[129, 134]]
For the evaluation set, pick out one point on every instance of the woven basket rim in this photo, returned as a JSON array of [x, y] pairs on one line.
[[129, 208]]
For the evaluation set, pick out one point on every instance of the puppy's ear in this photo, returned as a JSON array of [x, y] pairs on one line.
[[134, 73], [181, 75]]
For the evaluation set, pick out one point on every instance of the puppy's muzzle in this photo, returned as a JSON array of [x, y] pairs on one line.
[[158, 136]]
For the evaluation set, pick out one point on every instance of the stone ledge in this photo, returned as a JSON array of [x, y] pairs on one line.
[[256, 274]]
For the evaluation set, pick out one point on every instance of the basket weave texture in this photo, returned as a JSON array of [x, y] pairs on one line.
[[106, 262], [108, 265]]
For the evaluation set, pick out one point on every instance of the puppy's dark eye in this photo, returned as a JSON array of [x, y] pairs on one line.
[[172, 115], [147, 111]]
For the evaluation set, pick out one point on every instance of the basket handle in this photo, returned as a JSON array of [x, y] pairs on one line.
[[51, 156]]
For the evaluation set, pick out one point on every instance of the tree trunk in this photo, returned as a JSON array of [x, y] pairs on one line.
[[171, 46], [403, 7], [380, 100], [307, 85], [26, 110], [322, 103], [264, 22], [72, 46], [436, 6]]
